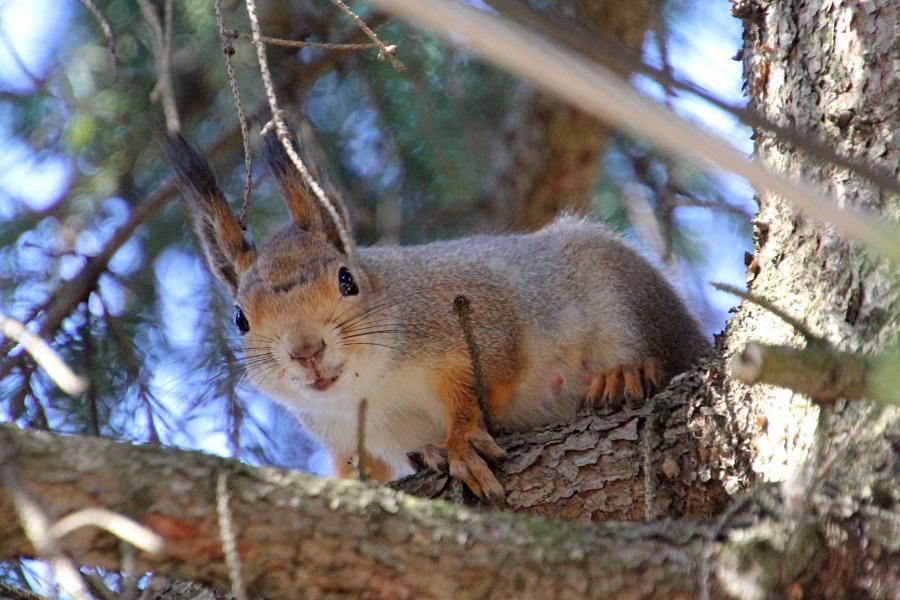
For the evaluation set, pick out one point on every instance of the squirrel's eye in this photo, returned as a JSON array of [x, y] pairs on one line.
[[345, 282], [241, 321]]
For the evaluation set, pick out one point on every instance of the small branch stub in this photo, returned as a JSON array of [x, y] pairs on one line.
[[818, 371], [463, 310]]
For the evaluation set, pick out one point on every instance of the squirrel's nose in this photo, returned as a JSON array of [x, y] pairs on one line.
[[308, 354]]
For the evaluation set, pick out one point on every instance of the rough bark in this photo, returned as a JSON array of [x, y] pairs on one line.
[[547, 160], [301, 536], [830, 70]]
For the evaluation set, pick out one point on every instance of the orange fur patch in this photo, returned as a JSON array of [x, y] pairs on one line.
[[376, 468]]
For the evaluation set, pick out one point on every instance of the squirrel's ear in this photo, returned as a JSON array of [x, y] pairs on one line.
[[228, 253], [306, 210]]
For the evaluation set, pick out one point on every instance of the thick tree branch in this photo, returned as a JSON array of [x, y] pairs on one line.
[[301, 536], [667, 458]]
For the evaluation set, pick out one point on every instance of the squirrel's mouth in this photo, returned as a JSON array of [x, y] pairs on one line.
[[323, 382]]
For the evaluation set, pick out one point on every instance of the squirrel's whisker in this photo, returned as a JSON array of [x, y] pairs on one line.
[[368, 311], [371, 326], [370, 344], [376, 332]]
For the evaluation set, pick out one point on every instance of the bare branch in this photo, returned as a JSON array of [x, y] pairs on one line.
[[798, 325], [227, 534], [162, 49], [58, 370], [595, 89], [386, 52], [228, 51], [302, 44], [284, 135], [600, 47], [107, 33], [817, 371], [10, 592]]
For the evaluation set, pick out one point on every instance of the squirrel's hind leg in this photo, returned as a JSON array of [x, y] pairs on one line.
[[624, 384]]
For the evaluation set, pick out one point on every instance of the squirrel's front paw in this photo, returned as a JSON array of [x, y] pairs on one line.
[[625, 383], [464, 453], [430, 457]]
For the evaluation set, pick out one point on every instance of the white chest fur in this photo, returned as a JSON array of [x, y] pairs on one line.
[[403, 415]]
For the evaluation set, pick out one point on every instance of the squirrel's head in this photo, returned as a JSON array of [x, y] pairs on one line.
[[299, 299]]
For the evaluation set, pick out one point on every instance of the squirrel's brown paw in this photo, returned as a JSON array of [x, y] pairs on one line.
[[623, 384], [465, 452], [432, 457]]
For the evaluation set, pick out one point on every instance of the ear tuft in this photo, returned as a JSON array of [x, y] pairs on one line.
[[305, 208], [227, 251]]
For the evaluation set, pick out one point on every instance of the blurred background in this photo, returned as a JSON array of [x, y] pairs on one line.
[[95, 255]]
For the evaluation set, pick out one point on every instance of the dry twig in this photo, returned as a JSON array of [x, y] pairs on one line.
[[272, 41], [798, 325], [107, 33], [284, 135], [229, 542], [385, 52], [58, 370], [361, 471], [463, 310], [37, 527], [162, 49], [228, 51]]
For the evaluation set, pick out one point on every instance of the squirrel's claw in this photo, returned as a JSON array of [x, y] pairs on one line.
[[466, 464], [434, 458], [624, 384]]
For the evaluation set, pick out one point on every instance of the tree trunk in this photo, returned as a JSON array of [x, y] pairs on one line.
[[829, 70]]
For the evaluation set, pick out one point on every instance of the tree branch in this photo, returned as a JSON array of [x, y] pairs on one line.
[[817, 370], [299, 535]]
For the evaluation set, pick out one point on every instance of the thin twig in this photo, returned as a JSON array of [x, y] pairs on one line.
[[120, 526], [10, 592], [595, 89], [58, 371], [385, 52], [229, 543], [228, 51], [798, 325], [361, 470], [107, 33], [134, 368], [285, 137], [162, 49], [88, 356], [463, 310], [36, 526], [272, 41]]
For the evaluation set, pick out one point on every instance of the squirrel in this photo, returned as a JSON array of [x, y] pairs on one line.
[[565, 317]]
